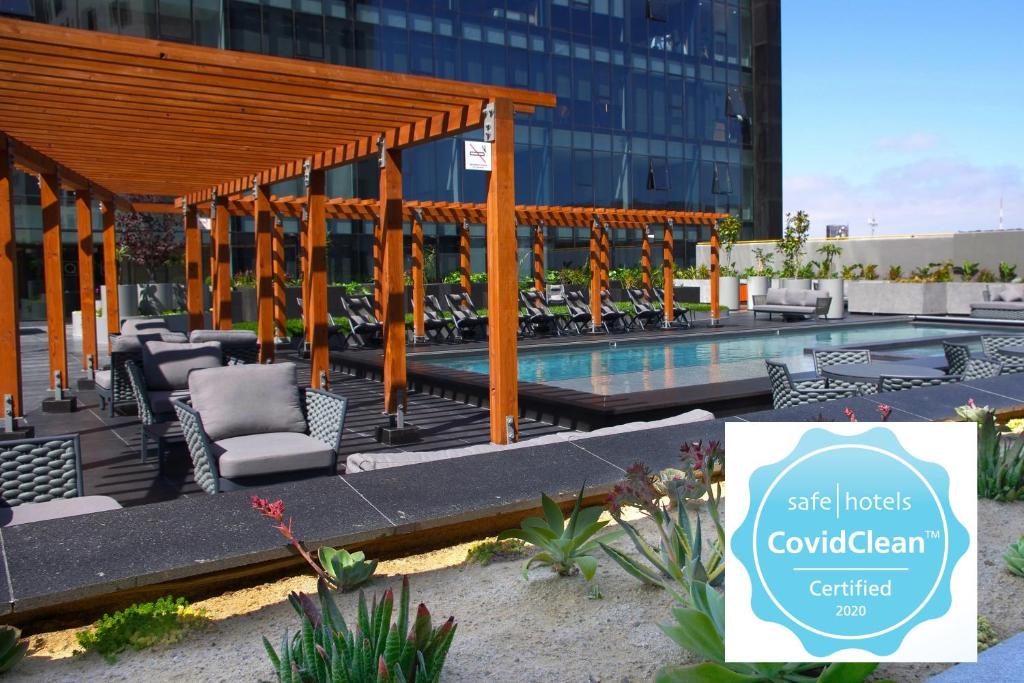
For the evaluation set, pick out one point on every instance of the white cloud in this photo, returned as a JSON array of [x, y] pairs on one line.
[[915, 142], [931, 195]]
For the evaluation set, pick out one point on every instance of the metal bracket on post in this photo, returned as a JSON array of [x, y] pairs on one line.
[[58, 387], [255, 187], [305, 214], [510, 429], [8, 413], [416, 211], [307, 171], [90, 368], [489, 122], [382, 151], [322, 381], [400, 416]]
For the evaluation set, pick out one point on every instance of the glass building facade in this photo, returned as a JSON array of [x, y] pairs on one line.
[[668, 104]]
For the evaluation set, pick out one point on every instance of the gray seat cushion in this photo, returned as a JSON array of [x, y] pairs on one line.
[[102, 379], [160, 401], [141, 325], [232, 337], [239, 400], [256, 454], [782, 308], [166, 365], [55, 509]]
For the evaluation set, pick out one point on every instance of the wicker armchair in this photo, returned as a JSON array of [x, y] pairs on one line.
[[825, 358], [981, 368], [41, 479], [325, 416], [957, 356], [993, 345], [786, 393], [903, 383]]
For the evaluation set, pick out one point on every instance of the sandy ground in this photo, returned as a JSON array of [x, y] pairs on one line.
[[547, 629]]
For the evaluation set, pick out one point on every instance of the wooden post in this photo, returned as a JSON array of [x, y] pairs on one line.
[[86, 281], [280, 295], [109, 215], [393, 280], [595, 275], [222, 251], [502, 277], [53, 273], [645, 257], [418, 288], [605, 252], [538, 257], [464, 265], [193, 269], [668, 272], [304, 256], [263, 222], [378, 270], [214, 308], [316, 241], [715, 273], [10, 340]]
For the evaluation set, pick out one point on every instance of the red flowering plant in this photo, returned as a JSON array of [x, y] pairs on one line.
[[148, 240]]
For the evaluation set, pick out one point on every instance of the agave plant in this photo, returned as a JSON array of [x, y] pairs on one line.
[[12, 648], [1015, 558], [1000, 456], [347, 570], [325, 648], [565, 545]]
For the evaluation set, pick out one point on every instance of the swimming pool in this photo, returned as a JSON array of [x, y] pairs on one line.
[[621, 367]]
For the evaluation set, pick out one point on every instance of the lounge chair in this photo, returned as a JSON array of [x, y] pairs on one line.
[[162, 377], [435, 324], [538, 316], [787, 393], [579, 312], [363, 325], [993, 345], [252, 425], [612, 314], [1001, 302], [644, 311], [886, 383], [466, 317], [113, 386], [41, 479], [555, 295], [657, 298], [237, 346], [957, 356], [335, 335], [143, 325]]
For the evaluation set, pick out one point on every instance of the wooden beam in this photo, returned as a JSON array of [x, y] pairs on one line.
[[86, 279], [263, 221], [317, 243], [193, 270], [716, 272], [10, 337], [393, 282], [53, 274], [280, 273], [109, 216], [595, 275], [465, 267], [418, 288], [502, 278], [222, 261], [538, 257], [668, 271], [645, 258]]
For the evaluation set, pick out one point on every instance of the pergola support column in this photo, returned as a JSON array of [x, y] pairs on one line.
[[10, 340], [193, 268], [305, 264], [502, 275], [86, 286], [418, 287], [668, 273], [464, 263], [222, 263], [378, 269], [715, 274], [605, 252], [645, 258], [595, 277], [263, 221], [280, 295], [316, 241], [393, 281], [109, 217], [538, 257], [53, 270]]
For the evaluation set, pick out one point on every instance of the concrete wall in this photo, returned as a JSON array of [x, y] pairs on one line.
[[987, 247]]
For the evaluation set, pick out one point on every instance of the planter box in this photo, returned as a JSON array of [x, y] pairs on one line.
[[729, 292], [834, 288], [756, 285], [897, 298], [960, 296], [796, 283]]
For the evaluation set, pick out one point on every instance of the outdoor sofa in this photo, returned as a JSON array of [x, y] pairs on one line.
[[1001, 302], [792, 303], [364, 462]]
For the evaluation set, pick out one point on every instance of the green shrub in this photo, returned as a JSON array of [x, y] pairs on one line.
[[493, 550], [987, 636], [1007, 271], [141, 626]]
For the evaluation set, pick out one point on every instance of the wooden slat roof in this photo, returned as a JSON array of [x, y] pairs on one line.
[[456, 212], [132, 115]]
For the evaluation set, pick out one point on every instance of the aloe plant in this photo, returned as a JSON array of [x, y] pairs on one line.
[[1015, 557], [1000, 456], [565, 544], [347, 570], [326, 649], [12, 648]]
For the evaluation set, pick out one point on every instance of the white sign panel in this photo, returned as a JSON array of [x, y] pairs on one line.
[[478, 156]]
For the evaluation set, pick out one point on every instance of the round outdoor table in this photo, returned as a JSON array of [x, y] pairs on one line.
[[871, 372]]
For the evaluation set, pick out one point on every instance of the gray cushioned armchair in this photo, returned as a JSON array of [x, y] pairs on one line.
[[252, 425]]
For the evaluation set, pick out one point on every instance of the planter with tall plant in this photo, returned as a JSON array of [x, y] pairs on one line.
[[797, 274], [759, 276], [728, 282], [829, 280]]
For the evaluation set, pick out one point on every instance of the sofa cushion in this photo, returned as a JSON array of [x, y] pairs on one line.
[[132, 343], [1010, 293], [166, 365], [102, 379], [160, 401], [239, 400], [226, 337], [55, 509], [775, 296], [140, 325], [255, 454]]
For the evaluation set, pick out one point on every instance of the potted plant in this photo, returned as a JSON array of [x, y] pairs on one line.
[[759, 276], [151, 242], [728, 283], [794, 239], [829, 281]]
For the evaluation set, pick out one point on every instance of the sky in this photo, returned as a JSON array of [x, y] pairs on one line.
[[911, 111]]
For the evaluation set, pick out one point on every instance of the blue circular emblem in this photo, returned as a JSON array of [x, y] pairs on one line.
[[850, 542]]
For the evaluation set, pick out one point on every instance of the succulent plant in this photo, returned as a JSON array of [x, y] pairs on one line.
[[1015, 557], [12, 648], [326, 649], [346, 570]]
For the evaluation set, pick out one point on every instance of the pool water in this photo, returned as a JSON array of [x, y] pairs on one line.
[[630, 367]]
